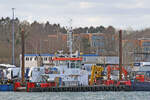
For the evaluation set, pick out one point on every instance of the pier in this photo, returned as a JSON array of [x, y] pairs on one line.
[[82, 88]]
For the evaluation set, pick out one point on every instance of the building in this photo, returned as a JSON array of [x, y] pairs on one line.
[[143, 52], [140, 48], [97, 59], [99, 42], [36, 60], [103, 43]]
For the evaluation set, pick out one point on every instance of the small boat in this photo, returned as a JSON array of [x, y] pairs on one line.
[[7, 73]]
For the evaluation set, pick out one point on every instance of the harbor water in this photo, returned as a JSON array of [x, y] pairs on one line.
[[74, 95]]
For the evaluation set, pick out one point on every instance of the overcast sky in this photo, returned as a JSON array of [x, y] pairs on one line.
[[119, 13]]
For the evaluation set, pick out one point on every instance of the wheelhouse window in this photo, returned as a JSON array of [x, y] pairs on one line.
[[72, 65]]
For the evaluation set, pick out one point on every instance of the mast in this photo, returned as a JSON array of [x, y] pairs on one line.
[[69, 37], [13, 44]]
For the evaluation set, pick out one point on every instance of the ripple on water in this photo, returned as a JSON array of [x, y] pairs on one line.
[[74, 95]]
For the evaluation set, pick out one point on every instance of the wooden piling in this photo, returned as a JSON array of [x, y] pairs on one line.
[[23, 51], [120, 55]]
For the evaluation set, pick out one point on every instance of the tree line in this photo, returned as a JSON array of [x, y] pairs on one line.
[[36, 34], [47, 28]]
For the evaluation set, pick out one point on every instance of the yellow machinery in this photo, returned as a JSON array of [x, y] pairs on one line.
[[96, 73]]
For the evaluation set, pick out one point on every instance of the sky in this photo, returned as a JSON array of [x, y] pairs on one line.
[[122, 14]]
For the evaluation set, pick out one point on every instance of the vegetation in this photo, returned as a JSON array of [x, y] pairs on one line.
[[37, 38]]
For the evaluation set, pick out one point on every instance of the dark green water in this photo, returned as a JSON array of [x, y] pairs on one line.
[[75, 96]]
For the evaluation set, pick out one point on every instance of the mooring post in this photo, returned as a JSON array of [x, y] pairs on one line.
[[120, 55]]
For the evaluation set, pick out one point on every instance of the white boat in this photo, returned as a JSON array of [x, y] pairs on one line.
[[9, 72], [66, 71], [69, 69]]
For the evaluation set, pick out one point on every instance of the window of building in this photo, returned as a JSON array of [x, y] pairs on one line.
[[97, 37], [113, 38], [35, 58], [27, 58], [45, 58], [41, 58], [30, 58], [146, 49], [146, 44], [50, 58]]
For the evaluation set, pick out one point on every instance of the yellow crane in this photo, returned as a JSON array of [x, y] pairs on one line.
[[96, 73]]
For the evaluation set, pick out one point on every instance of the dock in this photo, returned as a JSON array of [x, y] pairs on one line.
[[81, 88]]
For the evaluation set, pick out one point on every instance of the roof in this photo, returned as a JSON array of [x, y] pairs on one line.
[[89, 55], [54, 55], [64, 59], [39, 54], [6, 66]]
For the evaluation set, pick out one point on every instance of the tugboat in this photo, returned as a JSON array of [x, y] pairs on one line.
[[68, 70]]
